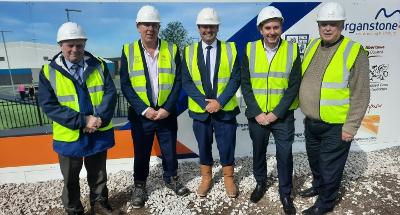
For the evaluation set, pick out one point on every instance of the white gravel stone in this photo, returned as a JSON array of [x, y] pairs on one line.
[[44, 197]]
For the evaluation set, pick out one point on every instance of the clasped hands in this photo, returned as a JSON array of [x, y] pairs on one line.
[[156, 114], [213, 106], [266, 119], [92, 124]]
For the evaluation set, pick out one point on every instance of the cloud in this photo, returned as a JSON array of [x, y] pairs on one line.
[[41, 30], [10, 21]]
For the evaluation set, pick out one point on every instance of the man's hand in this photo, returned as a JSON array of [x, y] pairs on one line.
[[150, 114], [347, 137], [92, 123], [98, 122], [213, 106], [262, 119], [161, 114], [271, 117]]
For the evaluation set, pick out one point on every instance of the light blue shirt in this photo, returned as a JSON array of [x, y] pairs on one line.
[[81, 65]]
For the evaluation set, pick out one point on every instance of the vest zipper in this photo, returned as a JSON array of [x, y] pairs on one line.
[[269, 68]]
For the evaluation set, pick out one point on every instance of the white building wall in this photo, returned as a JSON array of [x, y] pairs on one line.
[[27, 54]]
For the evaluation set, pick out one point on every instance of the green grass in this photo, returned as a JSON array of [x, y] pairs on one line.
[[16, 115]]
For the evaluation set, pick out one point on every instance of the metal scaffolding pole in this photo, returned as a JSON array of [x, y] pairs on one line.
[[8, 61]]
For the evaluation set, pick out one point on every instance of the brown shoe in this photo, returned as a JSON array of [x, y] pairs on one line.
[[206, 179], [231, 189], [103, 208]]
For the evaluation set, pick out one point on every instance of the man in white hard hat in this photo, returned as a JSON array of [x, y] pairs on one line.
[[334, 95], [211, 77], [77, 93], [151, 81], [271, 78]]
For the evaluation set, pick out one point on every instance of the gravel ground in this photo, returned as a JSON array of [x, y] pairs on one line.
[[371, 185]]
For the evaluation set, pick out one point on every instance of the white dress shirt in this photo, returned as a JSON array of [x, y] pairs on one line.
[[213, 57], [152, 67], [271, 52]]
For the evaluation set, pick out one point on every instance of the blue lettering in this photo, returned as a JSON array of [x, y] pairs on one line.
[[370, 26]]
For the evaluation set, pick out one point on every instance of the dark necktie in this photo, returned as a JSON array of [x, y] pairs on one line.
[[75, 71], [208, 66]]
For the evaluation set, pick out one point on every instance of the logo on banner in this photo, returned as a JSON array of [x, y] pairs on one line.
[[300, 39], [383, 26], [383, 10], [373, 108], [370, 124], [378, 77], [375, 50]]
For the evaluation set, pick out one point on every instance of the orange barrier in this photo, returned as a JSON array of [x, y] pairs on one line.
[[38, 149]]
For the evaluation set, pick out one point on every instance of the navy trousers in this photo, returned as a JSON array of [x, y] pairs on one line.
[[143, 133], [283, 132], [225, 135], [96, 176], [327, 155]]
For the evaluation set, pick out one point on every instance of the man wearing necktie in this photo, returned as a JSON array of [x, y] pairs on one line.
[[211, 78], [151, 82], [77, 93], [271, 75]]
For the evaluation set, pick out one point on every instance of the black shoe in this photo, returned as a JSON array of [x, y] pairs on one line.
[[316, 211], [258, 192], [102, 208], [177, 187], [139, 195], [288, 206], [310, 192]]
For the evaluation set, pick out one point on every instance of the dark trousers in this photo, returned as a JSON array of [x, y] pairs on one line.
[[283, 132], [143, 135], [96, 177], [22, 95], [225, 135], [327, 155]]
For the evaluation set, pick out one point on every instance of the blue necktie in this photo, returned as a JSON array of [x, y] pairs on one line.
[[75, 71], [208, 66]]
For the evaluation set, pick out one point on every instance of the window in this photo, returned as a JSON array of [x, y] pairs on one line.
[[45, 58], [2, 59]]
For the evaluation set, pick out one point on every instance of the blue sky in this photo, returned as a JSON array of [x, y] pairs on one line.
[[109, 25]]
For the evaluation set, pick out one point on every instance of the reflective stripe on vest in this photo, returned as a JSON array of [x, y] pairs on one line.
[[269, 81], [65, 91], [228, 55], [166, 70], [335, 92]]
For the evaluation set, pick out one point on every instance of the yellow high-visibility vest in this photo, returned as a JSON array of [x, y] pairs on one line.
[[166, 70], [335, 92], [269, 81], [65, 91], [228, 55]]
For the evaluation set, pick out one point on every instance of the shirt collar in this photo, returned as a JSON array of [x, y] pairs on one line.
[[272, 49], [204, 45], [332, 44], [146, 52], [69, 64]]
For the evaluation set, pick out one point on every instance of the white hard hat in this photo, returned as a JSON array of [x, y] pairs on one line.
[[208, 16], [148, 13], [70, 31], [268, 13], [331, 11]]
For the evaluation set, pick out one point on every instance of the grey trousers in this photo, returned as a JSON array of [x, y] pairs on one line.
[[96, 177]]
